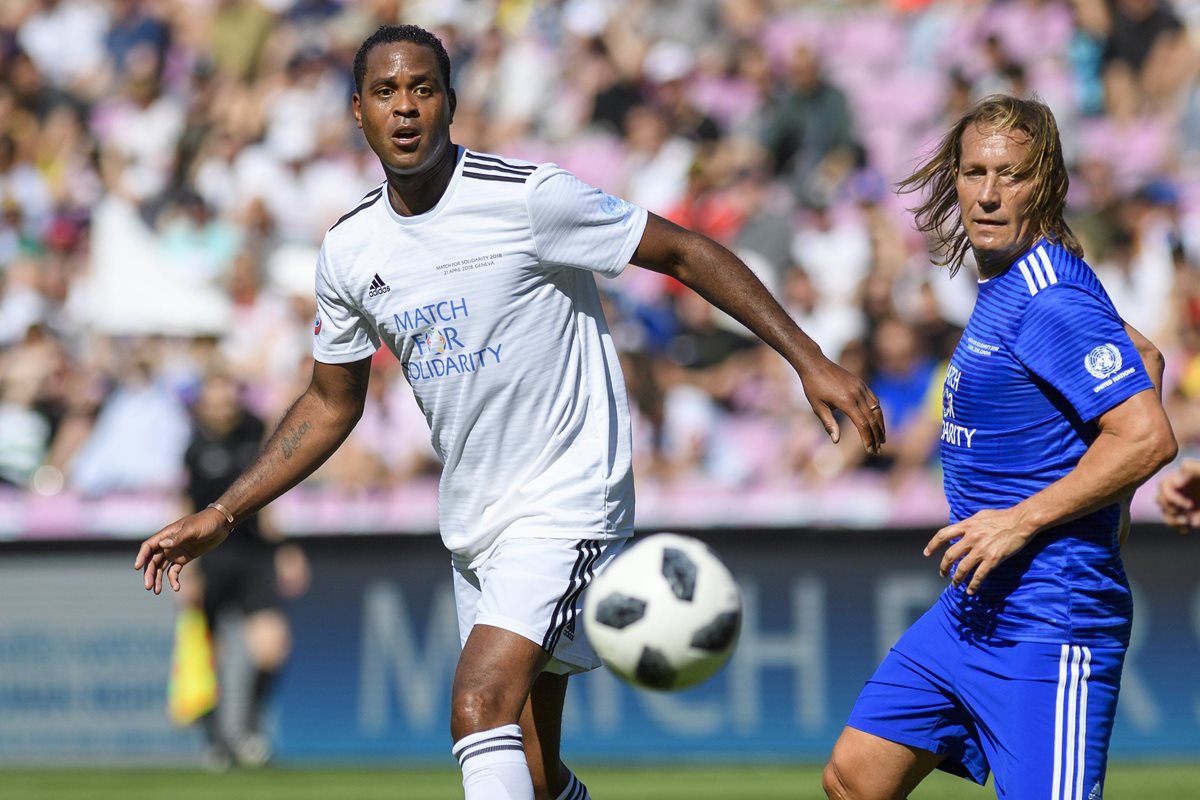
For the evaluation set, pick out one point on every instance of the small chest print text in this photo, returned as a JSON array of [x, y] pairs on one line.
[[468, 264]]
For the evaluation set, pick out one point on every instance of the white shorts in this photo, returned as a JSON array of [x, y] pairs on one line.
[[534, 588]]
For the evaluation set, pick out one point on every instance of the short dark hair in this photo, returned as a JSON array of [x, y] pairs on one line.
[[390, 34]]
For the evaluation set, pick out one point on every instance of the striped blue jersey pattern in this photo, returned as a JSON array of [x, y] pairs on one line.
[[1042, 357]]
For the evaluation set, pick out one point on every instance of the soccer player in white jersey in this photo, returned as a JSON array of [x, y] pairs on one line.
[[1051, 418], [477, 272]]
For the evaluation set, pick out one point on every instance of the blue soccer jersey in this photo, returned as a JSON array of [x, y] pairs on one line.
[[1044, 354]]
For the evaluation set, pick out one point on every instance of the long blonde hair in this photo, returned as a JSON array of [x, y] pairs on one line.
[[939, 216]]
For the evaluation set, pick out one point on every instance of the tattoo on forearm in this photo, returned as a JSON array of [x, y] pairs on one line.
[[292, 440]]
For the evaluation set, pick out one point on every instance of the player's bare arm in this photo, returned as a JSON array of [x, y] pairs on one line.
[[1152, 357], [312, 429], [1155, 364], [1135, 441], [1179, 493], [721, 278]]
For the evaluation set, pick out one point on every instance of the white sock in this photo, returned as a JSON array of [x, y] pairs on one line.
[[493, 765], [575, 790]]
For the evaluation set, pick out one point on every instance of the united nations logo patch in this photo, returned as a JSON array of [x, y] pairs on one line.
[[1103, 361], [614, 206]]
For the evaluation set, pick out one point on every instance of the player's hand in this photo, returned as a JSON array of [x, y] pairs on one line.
[[829, 387], [1179, 497], [985, 539], [178, 544]]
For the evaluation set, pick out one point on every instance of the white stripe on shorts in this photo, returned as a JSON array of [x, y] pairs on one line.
[[581, 577], [576, 571], [572, 609], [1086, 665], [1074, 669]]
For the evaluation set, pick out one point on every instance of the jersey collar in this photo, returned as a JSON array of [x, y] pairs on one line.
[[417, 219]]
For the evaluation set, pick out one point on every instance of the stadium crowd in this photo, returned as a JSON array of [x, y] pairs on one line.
[[168, 168]]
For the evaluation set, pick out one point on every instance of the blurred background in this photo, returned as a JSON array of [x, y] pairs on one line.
[[167, 171]]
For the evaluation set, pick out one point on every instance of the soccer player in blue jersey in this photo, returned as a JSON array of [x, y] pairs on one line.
[[1050, 421]]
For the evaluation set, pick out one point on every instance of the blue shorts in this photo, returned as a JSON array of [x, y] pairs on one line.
[[1036, 714]]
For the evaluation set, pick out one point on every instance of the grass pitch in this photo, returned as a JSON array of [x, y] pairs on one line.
[[1162, 782]]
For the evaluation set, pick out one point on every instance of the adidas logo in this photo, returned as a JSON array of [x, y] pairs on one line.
[[378, 287]]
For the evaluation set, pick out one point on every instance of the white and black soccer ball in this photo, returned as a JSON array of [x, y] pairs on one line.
[[665, 614]]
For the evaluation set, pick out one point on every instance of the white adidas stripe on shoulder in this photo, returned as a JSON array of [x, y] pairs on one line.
[[1033, 289], [1045, 259], [1038, 272], [1038, 275]]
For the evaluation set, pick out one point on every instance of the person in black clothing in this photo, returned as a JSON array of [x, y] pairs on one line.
[[1137, 28], [806, 123], [251, 575]]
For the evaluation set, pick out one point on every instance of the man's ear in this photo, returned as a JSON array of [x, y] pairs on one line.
[[356, 107], [453, 97]]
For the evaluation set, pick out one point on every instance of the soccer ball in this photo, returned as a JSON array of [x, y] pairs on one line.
[[665, 614]]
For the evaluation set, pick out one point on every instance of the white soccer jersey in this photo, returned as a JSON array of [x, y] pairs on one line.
[[488, 302]]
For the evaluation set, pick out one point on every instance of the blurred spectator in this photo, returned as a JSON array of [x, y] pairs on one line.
[[808, 120], [1138, 273], [1094, 207], [65, 40], [835, 250], [194, 239], [998, 68], [657, 162], [25, 429], [138, 131], [831, 325], [486, 90], [669, 68], [133, 31], [33, 92], [699, 343], [900, 373], [1139, 143], [1136, 28], [614, 92], [750, 80], [766, 229], [239, 31], [262, 346], [25, 199], [139, 436]]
